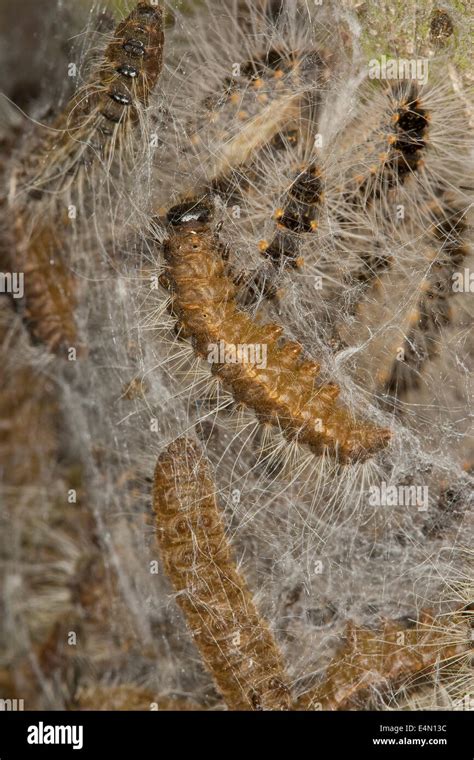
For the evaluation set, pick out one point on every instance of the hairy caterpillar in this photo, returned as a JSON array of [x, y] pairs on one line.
[[383, 661], [405, 141], [422, 224], [235, 643], [100, 114], [297, 216], [284, 394], [408, 140], [98, 118], [50, 293]]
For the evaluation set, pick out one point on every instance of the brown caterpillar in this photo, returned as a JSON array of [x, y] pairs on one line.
[[235, 642], [383, 661], [136, 56], [50, 297], [107, 104], [98, 116], [102, 111], [297, 216], [284, 394]]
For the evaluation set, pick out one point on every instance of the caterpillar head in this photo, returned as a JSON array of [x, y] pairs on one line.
[[147, 13], [194, 213]]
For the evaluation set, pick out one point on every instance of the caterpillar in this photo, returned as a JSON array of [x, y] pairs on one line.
[[284, 394], [50, 293], [384, 660], [97, 118], [297, 216], [235, 643], [100, 114], [411, 124], [402, 323], [405, 142]]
